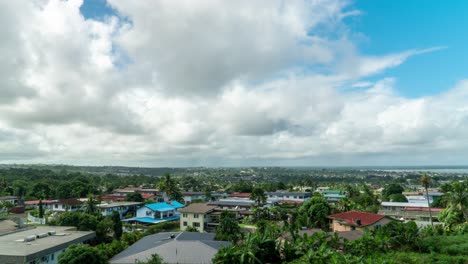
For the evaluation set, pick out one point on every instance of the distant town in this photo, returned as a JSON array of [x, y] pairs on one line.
[[59, 214]]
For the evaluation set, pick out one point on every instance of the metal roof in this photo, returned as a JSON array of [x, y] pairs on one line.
[[185, 247], [165, 206]]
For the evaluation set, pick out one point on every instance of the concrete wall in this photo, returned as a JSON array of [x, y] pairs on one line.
[[189, 219], [337, 227]]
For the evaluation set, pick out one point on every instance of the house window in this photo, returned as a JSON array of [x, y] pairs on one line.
[[195, 215], [185, 223], [353, 228], [184, 215], [196, 224], [52, 256], [56, 206], [148, 212], [295, 197]]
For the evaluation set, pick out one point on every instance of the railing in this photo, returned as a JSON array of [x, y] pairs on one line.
[[408, 214], [36, 220]]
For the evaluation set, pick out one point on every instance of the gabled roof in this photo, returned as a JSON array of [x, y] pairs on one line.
[[349, 218], [164, 206], [70, 201], [177, 247], [198, 208]]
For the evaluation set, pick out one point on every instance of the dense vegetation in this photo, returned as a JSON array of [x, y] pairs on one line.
[[275, 238]]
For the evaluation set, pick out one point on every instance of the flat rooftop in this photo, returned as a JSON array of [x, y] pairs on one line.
[[117, 204], [12, 244]]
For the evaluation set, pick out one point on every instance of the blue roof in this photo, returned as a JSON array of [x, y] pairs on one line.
[[163, 207], [149, 220]]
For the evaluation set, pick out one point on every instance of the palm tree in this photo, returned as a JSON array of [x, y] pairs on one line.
[[258, 195], [169, 186], [425, 181], [457, 198], [90, 205]]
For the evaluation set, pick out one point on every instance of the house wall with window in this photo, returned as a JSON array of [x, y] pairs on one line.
[[338, 226], [195, 220]]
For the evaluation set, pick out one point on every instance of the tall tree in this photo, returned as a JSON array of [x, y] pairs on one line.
[[90, 207], [117, 225], [78, 254], [457, 198], [258, 195], [169, 186], [425, 181], [41, 209], [228, 228]]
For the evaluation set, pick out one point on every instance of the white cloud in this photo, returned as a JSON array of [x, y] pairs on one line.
[[208, 83]]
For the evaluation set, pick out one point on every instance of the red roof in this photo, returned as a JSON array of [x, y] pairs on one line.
[[113, 197], [36, 202], [349, 218], [239, 195], [147, 195]]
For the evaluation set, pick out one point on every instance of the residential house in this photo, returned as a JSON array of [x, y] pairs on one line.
[[157, 213], [189, 197], [239, 195], [409, 211], [196, 215], [354, 220], [288, 196], [333, 198], [64, 205], [122, 208], [14, 200], [41, 244], [177, 247]]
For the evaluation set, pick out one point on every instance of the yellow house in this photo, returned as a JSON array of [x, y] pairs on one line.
[[196, 215], [355, 220]]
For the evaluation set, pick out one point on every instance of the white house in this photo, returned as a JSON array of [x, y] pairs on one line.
[[122, 208], [196, 215], [41, 244], [157, 213]]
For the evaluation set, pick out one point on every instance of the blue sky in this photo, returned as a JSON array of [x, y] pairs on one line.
[[394, 26]]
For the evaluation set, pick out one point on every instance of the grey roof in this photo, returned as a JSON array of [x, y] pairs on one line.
[[290, 193], [12, 245], [198, 208], [232, 203], [186, 247]]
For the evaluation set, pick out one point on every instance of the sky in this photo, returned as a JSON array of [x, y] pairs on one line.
[[233, 83]]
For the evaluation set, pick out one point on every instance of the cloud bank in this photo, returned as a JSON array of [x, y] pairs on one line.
[[179, 83]]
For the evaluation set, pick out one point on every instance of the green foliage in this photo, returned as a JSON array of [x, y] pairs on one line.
[[417, 258], [314, 212], [191, 229], [82, 221], [169, 186], [446, 244], [398, 197], [103, 229], [155, 259], [78, 254], [40, 212], [258, 195], [134, 197], [117, 225], [164, 227], [228, 229], [113, 248], [393, 188]]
